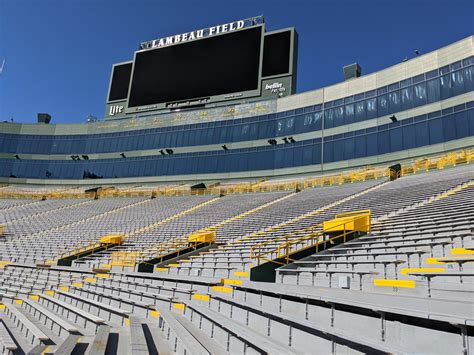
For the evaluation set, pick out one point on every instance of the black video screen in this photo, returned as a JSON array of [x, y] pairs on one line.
[[223, 64], [276, 54], [120, 81]]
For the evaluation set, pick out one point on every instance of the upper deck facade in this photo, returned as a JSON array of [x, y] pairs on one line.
[[350, 124]]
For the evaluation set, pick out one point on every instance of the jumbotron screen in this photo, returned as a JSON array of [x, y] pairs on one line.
[[224, 64], [120, 82]]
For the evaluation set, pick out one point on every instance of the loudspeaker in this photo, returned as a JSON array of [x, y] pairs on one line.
[[395, 171], [352, 71], [199, 186], [44, 118]]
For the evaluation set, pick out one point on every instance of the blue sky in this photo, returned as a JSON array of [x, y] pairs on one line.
[[59, 53]]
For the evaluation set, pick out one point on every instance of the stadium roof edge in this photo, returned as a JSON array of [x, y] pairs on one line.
[[429, 61]]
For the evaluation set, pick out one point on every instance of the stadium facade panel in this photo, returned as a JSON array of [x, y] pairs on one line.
[[419, 107]]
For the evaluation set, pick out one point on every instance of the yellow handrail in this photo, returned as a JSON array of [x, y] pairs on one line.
[[351, 213], [282, 250]]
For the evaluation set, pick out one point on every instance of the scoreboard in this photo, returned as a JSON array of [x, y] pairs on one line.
[[221, 65]]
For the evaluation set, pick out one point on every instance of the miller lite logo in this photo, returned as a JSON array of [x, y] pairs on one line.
[[116, 109]]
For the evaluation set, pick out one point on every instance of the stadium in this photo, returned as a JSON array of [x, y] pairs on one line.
[[218, 211]]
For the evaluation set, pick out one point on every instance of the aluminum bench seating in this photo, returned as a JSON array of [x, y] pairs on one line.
[[168, 280], [13, 292], [114, 314], [307, 329], [351, 265], [460, 260], [116, 304], [178, 334], [40, 273], [408, 219], [326, 272], [143, 305], [388, 245], [214, 263], [421, 218], [236, 331], [340, 308], [430, 229], [212, 271], [209, 344], [146, 287], [69, 311], [30, 331], [469, 245], [142, 299], [7, 344], [39, 279], [21, 286], [220, 257], [58, 325], [435, 238], [444, 277], [352, 256]]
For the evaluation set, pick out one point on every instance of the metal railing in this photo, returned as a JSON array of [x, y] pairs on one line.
[[164, 249], [287, 245], [124, 258]]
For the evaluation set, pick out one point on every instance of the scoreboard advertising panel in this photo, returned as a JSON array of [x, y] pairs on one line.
[[226, 64]]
